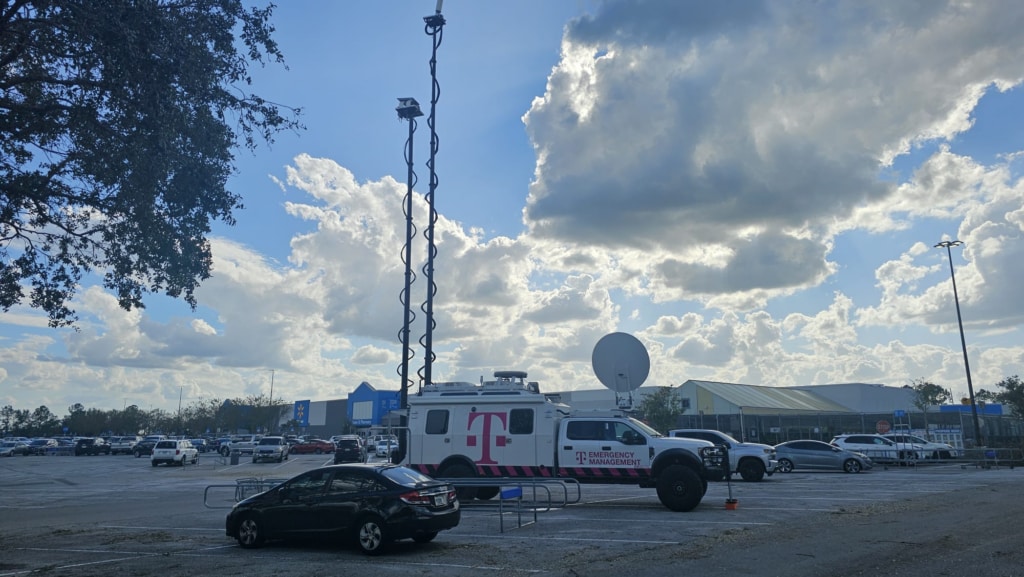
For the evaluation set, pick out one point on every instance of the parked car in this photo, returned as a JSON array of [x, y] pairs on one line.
[[817, 455], [91, 446], [174, 452], [270, 449], [242, 443], [143, 448], [313, 446], [12, 448], [42, 446], [349, 451], [124, 444], [385, 447], [200, 444], [930, 449], [368, 504], [334, 439], [879, 448]]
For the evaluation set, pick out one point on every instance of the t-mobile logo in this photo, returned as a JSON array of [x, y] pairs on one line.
[[485, 437]]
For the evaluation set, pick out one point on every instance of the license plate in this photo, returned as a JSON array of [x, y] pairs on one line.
[[440, 500]]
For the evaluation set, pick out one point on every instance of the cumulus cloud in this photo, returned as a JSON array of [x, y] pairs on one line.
[[752, 132]]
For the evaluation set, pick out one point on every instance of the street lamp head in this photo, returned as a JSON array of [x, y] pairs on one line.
[[948, 243]]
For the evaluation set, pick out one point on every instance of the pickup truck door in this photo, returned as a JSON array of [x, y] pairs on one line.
[[610, 447]]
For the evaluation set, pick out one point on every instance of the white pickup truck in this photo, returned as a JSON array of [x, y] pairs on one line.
[[244, 444], [125, 445], [751, 460]]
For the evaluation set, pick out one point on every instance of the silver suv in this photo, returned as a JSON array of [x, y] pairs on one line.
[[270, 449], [751, 460]]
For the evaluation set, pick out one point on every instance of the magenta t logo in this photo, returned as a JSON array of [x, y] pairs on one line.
[[485, 456]]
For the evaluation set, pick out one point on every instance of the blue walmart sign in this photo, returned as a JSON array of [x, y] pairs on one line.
[[302, 413]]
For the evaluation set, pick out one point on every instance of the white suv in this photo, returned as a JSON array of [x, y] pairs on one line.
[[751, 460], [174, 452], [931, 449], [879, 448]]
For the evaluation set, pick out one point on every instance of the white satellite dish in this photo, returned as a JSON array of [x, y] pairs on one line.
[[622, 364]]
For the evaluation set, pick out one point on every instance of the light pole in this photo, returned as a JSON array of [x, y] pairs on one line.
[[271, 401], [948, 244], [181, 390]]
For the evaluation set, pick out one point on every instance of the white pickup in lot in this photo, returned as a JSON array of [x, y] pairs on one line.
[[123, 445], [751, 460], [242, 443]]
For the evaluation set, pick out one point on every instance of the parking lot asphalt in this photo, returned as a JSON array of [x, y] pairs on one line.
[[118, 516]]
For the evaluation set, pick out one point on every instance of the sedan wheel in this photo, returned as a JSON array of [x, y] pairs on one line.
[[785, 466], [851, 466], [371, 535], [250, 533]]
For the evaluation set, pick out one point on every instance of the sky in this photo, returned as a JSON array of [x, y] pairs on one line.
[[754, 191]]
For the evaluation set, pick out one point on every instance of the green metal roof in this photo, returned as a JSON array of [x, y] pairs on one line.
[[757, 398]]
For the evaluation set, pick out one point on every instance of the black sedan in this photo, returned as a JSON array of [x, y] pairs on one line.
[[144, 448], [369, 504]]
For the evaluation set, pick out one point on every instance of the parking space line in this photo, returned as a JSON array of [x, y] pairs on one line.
[[72, 566], [140, 554], [458, 566], [506, 537], [689, 521], [221, 529]]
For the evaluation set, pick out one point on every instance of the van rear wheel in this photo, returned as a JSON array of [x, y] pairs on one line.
[[485, 493], [460, 471]]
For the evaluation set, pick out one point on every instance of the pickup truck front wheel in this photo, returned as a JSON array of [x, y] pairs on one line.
[[680, 488], [751, 470]]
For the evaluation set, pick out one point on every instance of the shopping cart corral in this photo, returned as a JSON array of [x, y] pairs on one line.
[[990, 457]]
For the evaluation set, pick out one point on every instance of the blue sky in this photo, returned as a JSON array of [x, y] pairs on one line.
[[754, 195]]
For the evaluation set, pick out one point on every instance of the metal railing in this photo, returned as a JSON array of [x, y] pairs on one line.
[[243, 489], [569, 490], [988, 458]]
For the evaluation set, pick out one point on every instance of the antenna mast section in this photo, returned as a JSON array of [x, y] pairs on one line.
[[435, 29]]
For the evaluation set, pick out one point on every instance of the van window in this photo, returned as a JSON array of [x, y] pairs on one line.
[[437, 422], [520, 422]]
